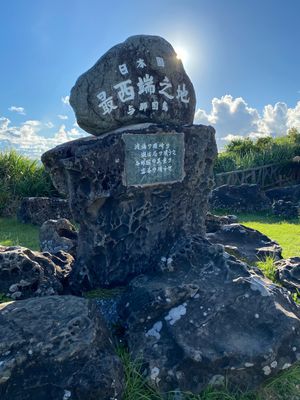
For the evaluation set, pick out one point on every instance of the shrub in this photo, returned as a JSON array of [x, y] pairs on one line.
[[247, 153], [21, 177]]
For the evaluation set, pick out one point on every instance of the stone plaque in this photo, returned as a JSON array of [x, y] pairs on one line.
[[153, 158]]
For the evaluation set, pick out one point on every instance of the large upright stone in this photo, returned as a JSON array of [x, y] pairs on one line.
[[139, 80], [133, 193]]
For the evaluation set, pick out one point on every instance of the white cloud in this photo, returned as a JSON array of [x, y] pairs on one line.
[[18, 110], [32, 123], [233, 117], [28, 139], [63, 117], [49, 125], [66, 100]]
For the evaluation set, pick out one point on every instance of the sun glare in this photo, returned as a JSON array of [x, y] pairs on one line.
[[182, 54]]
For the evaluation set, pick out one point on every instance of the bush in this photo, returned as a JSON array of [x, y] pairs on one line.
[[247, 153], [21, 177]]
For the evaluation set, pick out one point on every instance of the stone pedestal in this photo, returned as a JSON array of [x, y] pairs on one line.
[[133, 194]]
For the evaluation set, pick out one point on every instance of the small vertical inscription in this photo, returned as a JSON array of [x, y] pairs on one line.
[[153, 158]]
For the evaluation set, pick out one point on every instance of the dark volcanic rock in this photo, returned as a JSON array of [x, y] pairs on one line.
[[139, 80], [245, 243], [239, 198], [57, 235], [26, 273], [207, 318], [57, 348], [37, 210], [286, 193], [285, 209], [124, 229], [288, 273], [214, 222]]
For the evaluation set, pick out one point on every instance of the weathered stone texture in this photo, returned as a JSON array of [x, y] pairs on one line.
[[37, 210], [26, 273], [239, 198], [207, 318], [57, 348], [165, 74], [245, 243], [125, 229], [58, 235]]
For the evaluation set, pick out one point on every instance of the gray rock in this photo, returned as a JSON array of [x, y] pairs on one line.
[[286, 209], [246, 244], [57, 348], [288, 273], [58, 235], [26, 273], [37, 210], [137, 81], [126, 229], [214, 222], [241, 198], [286, 193], [207, 318]]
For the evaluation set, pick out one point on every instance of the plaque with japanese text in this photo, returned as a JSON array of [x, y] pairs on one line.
[[153, 158]]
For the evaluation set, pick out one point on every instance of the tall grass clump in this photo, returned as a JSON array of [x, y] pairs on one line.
[[247, 153], [21, 177]]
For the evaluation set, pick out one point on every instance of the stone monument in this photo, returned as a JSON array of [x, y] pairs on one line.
[[130, 188], [139, 189]]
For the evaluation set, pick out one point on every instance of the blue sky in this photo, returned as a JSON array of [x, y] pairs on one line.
[[242, 56]]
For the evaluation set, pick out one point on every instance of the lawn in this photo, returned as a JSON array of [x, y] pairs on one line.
[[14, 233], [285, 233]]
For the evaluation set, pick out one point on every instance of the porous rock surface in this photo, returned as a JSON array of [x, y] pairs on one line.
[[286, 193], [57, 348], [26, 273], [37, 210], [142, 70], [288, 273], [125, 229], [239, 198], [245, 243], [215, 222], [207, 318], [58, 235], [286, 209]]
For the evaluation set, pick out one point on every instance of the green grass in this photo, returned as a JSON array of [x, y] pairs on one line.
[[286, 386], [14, 233], [285, 233], [21, 177], [268, 268]]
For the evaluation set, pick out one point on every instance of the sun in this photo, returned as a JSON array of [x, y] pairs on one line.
[[182, 54]]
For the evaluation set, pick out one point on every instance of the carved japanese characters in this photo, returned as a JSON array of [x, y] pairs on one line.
[[140, 80], [152, 159]]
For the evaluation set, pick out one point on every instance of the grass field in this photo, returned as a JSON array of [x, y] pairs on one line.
[[285, 233], [14, 233], [286, 386]]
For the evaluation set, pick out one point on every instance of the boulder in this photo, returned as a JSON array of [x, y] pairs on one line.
[[285, 209], [138, 81], [57, 348], [207, 318], [37, 210], [241, 198], [26, 273], [286, 193], [58, 235], [288, 273], [214, 222], [130, 214], [246, 244]]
